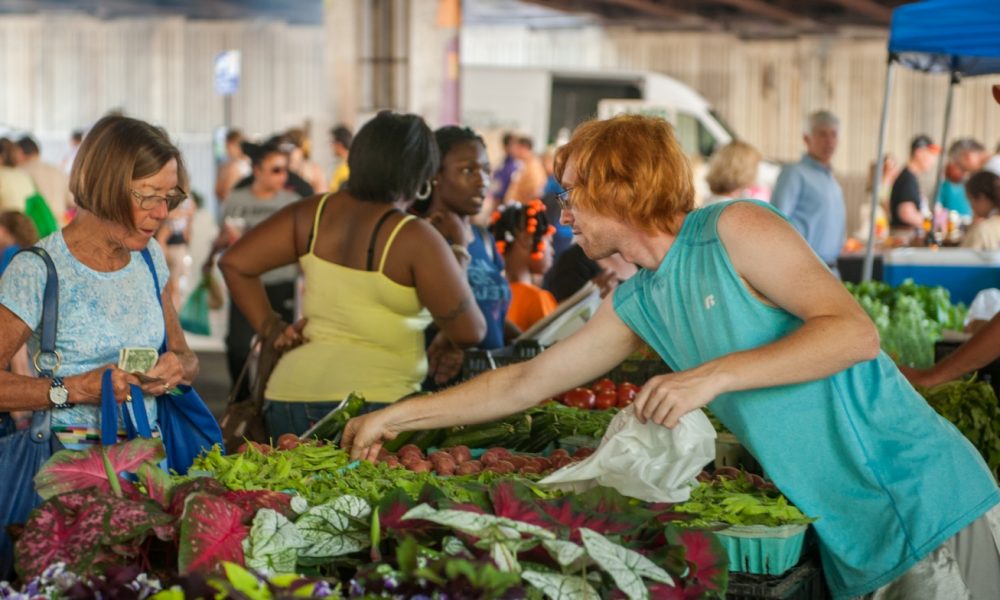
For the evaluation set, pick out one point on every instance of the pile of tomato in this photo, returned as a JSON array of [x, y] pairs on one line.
[[602, 395]]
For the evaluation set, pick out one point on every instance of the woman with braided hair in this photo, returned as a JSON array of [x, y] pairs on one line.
[[524, 238]]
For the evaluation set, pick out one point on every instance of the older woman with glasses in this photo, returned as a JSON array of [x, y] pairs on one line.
[[126, 177]]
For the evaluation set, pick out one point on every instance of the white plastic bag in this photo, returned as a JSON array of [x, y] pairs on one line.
[[984, 306], [644, 460]]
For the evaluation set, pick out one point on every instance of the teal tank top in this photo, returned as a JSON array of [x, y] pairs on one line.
[[888, 479]]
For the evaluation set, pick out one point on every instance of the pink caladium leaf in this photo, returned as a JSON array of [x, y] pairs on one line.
[[129, 521], [212, 531], [251, 501], [705, 556], [56, 533], [157, 482], [70, 470], [204, 485]]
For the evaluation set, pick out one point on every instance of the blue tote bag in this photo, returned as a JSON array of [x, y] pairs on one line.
[[23, 452], [186, 424]]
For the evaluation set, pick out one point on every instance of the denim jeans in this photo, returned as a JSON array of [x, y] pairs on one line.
[[298, 417]]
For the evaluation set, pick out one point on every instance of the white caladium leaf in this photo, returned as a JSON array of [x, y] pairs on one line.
[[504, 558], [335, 528], [299, 504], [565, 553], [625, 566], [480, 525], [273, 543], [556, 586], [453, 546]]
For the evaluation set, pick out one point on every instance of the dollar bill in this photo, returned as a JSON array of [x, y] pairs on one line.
[[137, 360]]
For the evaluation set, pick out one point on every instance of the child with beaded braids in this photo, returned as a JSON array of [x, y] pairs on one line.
[[524, 238]]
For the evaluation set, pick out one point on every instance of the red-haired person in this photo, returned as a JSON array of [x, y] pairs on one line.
[[524, 238], [753, 323]]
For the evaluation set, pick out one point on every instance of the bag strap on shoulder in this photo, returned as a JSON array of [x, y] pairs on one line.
[[47, 360], [156, 288]]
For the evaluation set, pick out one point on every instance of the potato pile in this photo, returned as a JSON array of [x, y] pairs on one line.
[[458, 460]]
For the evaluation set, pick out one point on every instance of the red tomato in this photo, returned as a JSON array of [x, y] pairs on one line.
[[626, 394], [579, 398], [605, 400], [604, 385]]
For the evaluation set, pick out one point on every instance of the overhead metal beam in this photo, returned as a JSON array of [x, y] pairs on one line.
[[869, 8], [770, 11]]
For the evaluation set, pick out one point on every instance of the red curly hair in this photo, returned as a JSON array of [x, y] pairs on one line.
[[630, 167]]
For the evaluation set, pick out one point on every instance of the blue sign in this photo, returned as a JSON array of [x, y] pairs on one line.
[[227, 72]]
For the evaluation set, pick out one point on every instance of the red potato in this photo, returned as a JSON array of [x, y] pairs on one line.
[[517, 461], [445, 468], [288, 441], [471, 467], [408, 460], [543, 462], [262, 448], [494, 454], [727, 473], [421, 466], [530, 469], [583, 452], [410, 449], [461, 454], [501, 466], [559, 452], [756, 480], [441, 458], [392, 461], [704, 477]]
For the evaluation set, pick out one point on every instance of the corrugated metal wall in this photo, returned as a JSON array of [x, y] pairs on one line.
[[59, 72], [766, 88]]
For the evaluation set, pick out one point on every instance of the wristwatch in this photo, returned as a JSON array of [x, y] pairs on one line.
[[58, 394]]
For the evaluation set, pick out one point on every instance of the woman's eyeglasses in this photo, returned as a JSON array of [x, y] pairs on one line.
[[172, 200], [564, 200]]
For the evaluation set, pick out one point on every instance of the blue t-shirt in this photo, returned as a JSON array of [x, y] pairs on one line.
[[887, 477], [99, 314], [812, 200], [489, 286], [952, 197]]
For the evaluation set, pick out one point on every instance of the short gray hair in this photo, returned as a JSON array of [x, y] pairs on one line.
[[820, 118], [963, 145]]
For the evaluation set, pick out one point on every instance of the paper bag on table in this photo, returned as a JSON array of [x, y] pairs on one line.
[[644, 460]]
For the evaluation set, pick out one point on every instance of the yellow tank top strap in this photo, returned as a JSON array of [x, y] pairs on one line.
[[319, 212], [392, 236]]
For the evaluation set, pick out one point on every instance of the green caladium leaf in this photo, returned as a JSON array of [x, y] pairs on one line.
[[556, 586], [273, 543], [299, 504], [625, 566], [245, 582], [337, 528]]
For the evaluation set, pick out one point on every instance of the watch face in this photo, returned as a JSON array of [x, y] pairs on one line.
[[58, 395]]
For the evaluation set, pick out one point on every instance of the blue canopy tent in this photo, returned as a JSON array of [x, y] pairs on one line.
[[959, 37]]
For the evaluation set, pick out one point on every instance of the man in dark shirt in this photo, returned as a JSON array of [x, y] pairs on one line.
[[906, 203]]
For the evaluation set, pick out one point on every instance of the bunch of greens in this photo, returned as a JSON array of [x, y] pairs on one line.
[[909, 318], [739, 501], [972, 406], [322, 473]]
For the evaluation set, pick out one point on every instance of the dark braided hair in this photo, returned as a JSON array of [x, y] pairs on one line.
[[446, 137], [512, 218]]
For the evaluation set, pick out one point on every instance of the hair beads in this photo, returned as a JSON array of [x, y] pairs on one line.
[[513, 218]]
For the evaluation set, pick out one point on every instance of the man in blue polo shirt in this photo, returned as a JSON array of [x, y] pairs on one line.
[[808, 193]]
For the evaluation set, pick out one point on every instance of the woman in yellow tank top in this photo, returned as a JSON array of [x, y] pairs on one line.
[[374, 279]]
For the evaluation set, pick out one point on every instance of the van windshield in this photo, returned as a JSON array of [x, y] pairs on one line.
[[723, 122]]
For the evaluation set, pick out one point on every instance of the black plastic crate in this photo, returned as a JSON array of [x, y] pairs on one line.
[[803, 582], [476, 362]]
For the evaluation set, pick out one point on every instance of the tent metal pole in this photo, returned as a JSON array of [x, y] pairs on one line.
[[942, 158], [866, 270]]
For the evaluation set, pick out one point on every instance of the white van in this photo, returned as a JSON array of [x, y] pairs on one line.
[[549, 104]]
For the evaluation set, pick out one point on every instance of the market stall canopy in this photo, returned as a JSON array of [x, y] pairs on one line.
[[946, 36], [958, 37]]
